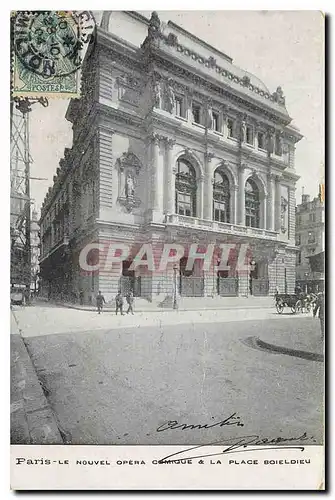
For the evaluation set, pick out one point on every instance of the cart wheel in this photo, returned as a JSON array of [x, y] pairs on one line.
[[293, 309], [280, 307], [297, 307]]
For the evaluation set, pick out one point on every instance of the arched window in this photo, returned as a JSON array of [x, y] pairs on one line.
[[251, 204], [186, 188], [221, 198]]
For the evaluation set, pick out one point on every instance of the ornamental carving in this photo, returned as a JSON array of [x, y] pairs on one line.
[[169, 96], [283, 214], [128, 167], [154, 26], [211, 63]]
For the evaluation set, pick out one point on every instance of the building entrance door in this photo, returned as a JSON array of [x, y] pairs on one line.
[[190, 285], [129, 281], [258, 282], [226, 286]]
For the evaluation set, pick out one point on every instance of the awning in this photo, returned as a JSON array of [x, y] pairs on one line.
[[317, 262]]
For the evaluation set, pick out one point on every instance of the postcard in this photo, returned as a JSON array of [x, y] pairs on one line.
[[167, 227]]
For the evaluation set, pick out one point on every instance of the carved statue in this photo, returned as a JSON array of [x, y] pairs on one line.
[[279, 145], [243, 131], [270, 141], [154, 25], [209, 117], [283, 210], [157, 94], [279, 96], [130, 186], [169, 94]]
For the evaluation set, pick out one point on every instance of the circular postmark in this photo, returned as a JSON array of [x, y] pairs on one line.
[[48, 43]]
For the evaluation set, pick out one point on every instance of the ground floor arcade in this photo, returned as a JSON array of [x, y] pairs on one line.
[[163, 263]]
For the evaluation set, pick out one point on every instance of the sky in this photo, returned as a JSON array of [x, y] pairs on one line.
[[283, 48]]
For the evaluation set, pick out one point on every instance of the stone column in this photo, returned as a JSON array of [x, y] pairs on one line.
[[271, 203], [208, 195], [200, 197], [241, 195], [263, 220], [277, 203], [224, 113], [155, 165], [234, 204], [170, 178]]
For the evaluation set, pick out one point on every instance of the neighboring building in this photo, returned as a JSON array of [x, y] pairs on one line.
[[310, 240], [171, 143]]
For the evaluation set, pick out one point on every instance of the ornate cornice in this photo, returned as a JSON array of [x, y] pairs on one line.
[[211, 63]]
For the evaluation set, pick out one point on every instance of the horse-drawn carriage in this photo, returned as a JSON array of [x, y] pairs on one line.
[[297, 302]]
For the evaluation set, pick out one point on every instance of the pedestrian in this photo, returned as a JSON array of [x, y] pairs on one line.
[[119, 303], [81, 296], [100, 301], [320, 307], [130, 301]]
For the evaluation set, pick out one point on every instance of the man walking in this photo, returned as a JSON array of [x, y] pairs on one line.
[[320, 306], [130, 301], [100, 302], [119, 303]]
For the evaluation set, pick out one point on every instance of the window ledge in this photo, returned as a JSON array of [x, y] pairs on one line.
[[232, 138], [198, 125], [181, 118], [251, 146], [261, 150], [216, 132]]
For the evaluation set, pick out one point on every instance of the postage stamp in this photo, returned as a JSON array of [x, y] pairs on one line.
[[48, 48]]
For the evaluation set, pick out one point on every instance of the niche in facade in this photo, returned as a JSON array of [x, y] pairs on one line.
[[128, 167]]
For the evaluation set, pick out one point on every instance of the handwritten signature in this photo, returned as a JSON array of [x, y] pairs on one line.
[[238, 445], [173, 424]]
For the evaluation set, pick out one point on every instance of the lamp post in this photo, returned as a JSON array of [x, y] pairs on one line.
[[252, 267], [175, 304]]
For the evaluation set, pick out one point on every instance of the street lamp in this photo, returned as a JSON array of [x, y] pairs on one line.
[[175, 304], [252, 267]]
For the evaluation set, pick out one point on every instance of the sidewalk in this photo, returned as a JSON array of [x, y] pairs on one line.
[[184, 304], [31, 419], [297, 342]]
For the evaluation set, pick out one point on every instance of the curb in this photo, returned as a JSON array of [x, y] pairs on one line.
[[109, 309], [312, 356], [31, 418]]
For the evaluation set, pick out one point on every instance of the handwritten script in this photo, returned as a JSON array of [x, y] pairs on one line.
[[239, 444], [233, 419]]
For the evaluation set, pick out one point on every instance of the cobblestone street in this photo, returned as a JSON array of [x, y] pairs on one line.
[[112, 385]]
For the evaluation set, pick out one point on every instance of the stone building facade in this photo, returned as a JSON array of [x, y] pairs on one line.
[[172, 143], [310, 240]]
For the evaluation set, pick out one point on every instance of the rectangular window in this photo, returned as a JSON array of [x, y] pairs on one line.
[[261, 140], [179, 106], [312, 217], [184, 204], [250, 135], [231, 128], [196, 111], [298, 242], [220, 214], [216, 124]]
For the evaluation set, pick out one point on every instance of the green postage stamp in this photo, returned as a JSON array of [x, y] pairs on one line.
[[48, 48]]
